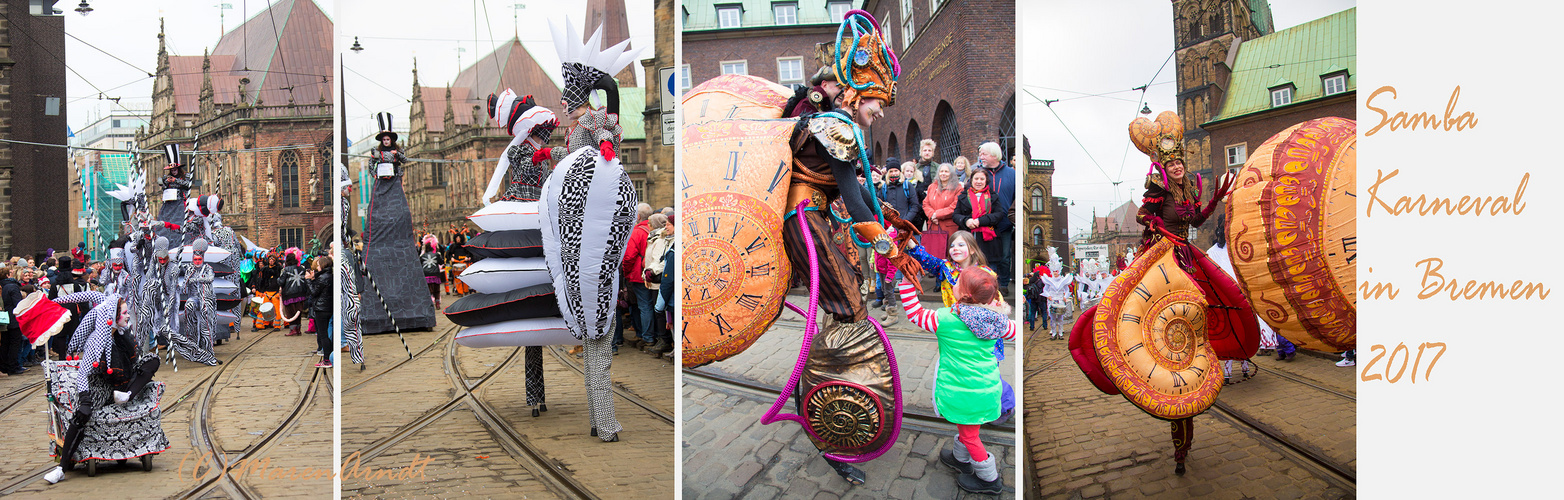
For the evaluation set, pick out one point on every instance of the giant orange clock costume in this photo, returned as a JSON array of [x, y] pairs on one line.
[[1164, 322], [757, 190]]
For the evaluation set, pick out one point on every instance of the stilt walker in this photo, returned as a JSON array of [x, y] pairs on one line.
[[588, 205], [390, 249], [348, 277]]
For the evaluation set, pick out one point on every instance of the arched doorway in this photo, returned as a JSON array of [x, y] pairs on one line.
[[949, 133]]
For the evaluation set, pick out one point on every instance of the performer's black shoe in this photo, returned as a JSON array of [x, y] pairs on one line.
[[848, 472], [535, 413], [594, 432], [1179, 469]]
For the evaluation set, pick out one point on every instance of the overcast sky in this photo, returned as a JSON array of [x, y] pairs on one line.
[[380, 78], [1074, 49], [128, 30]]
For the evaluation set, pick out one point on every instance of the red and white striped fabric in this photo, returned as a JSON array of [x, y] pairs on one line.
[[40, 318], [927, 319]]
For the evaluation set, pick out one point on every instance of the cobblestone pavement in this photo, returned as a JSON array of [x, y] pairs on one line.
[[1082, 443], [255, 394], [728, 453], [463, 457]]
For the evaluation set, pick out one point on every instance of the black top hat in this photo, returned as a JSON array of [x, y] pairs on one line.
[[384, 120], [171, 154]]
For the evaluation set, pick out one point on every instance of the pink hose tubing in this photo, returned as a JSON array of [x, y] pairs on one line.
[[811, 327]]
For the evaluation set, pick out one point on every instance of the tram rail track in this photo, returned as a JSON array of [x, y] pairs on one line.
[[1003, 435], [432, 343]]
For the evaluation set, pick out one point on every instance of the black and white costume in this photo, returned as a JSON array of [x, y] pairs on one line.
[[588, 205]]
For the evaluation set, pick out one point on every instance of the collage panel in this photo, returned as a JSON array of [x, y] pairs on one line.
[[166, 211], [847, 305], [1198, 314], [508, 197]]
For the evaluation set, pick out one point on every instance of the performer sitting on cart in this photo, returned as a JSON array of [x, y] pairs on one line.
[[109, 360]]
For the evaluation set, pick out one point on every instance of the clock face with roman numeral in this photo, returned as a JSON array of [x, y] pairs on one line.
[[735, 273], [1151, 339], [1341, 220]]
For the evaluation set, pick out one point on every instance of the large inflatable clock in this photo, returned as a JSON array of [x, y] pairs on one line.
[[1292, 233], [1150, 336], [732, 186]]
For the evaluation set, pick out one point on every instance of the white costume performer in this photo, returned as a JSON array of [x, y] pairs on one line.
[[1056, 289]]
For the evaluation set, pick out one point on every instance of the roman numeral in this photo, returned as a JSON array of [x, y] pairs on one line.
[[1165, 279], [712, 223], [695, 228], [705, 294], [755, 245], [1131, 318], [749, 301], [1349, 244], [726, 268], [723, 327], [719, 283], [782, 173], [1134, 348], [733, 166], [733, 111], [760, 270], [1197, 370], [1143, 292], [1178, 379], [704, 102]]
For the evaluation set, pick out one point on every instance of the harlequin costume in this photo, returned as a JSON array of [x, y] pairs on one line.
[[1166, 320], [588, 207]]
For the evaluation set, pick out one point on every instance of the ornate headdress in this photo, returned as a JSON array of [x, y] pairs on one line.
[[522, 116], [862, 62], [1162, 140], [588, 68]]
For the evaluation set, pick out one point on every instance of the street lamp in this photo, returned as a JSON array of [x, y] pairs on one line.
[[1145, 109], [356, 48], [83, 8]]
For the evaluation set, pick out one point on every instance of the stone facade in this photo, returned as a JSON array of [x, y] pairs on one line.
[[1205, 33], [658, 160], [1040, 230], [958, 78], [33, 182], [275, 176]]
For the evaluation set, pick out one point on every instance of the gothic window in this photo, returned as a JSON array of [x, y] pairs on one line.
[[288, 178], [914, 140], [436, 174], [1039, 201], [895, 146], [290, 237], [1037, 236]]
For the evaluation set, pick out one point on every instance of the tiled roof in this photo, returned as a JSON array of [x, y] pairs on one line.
[[509, 66], [702, 14], [1299, 55], [287, 45]]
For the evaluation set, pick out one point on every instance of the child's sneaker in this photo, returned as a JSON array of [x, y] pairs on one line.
[[974, 482], [1346, 362]]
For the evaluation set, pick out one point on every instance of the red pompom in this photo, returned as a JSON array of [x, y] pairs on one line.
[[607, 149], [94, 364], [540, 156]]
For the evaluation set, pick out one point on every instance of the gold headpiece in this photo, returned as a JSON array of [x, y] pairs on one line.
[[1162, 140]]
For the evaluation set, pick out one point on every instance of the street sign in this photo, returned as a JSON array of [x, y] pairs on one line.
[[1095, 251], [670, 129], [670, 81], [81, 219]]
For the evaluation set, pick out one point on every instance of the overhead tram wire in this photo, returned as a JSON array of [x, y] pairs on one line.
[[377, 84], [15, 27], [499, 72], [1125, 157], [1072, 136], [277, 46], [105, 52]]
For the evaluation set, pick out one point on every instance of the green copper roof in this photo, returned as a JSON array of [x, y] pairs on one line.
[[1299, 55], [1260, 14], [701, 15], [632, 101]]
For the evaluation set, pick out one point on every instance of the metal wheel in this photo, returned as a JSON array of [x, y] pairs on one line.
[[146, 463], [92, 468]]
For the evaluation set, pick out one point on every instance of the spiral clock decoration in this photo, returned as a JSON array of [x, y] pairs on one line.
[[844, 415]]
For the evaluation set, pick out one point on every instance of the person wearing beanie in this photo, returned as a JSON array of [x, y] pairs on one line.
[[295, 294]]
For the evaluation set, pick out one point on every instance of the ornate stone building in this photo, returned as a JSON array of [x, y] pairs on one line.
[[450, 126], [657, 157], [1206, 35], [262, 96]]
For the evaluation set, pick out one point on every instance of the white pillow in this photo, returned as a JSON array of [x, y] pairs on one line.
[[503, 275], [518, 332], [508, 216]]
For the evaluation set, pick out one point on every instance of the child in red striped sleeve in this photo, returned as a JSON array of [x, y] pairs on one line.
[[968, 390]]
